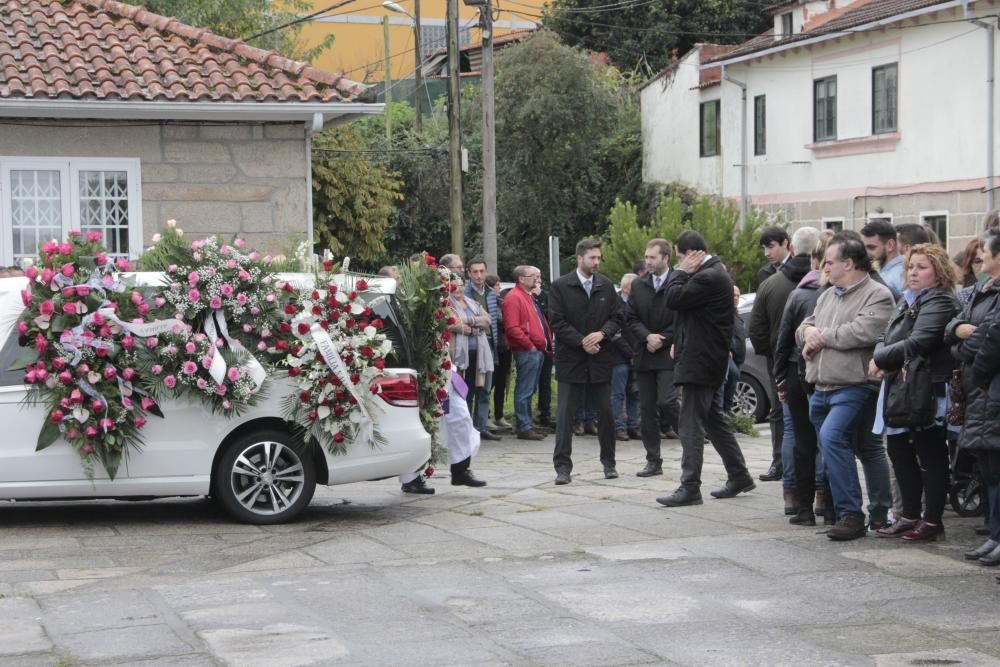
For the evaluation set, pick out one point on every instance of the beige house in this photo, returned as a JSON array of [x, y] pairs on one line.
[[115, 119]]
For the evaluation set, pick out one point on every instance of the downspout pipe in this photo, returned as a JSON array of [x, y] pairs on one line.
[[990, 104], [743, 146]]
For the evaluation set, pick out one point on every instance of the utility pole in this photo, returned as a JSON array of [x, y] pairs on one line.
[[388, 81], [489, 144], [418, 77], [454, 131]]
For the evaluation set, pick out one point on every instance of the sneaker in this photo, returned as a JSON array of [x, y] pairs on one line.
[[418, 486], [491, 425], [850, 527], [621, 435]]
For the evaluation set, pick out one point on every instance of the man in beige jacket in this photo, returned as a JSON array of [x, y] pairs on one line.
[[837, 342]]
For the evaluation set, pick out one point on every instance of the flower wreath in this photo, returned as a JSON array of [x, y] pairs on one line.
[[83, 359], [340, 348]]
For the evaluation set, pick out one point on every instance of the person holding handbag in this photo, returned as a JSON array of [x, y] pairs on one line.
[[915, 364], [976, 338]]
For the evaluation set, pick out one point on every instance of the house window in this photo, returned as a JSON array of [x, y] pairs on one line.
[[880, 217], [759, 125], [938, 222], [45, 198], [786, 24], [833, 224], [710, 126], [884, 91], [825, 109]]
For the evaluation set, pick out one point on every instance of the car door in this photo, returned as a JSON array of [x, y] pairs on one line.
[[54, 471]]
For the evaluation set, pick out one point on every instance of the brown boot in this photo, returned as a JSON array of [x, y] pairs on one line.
[[819, 508], [791, 502]]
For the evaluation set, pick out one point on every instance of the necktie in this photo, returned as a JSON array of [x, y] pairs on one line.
[[657, 281], [587, 284]]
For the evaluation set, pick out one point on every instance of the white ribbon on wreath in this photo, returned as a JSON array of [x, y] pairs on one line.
[[215, 326]]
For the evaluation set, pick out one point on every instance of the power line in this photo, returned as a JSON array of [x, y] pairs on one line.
[[300, 19]]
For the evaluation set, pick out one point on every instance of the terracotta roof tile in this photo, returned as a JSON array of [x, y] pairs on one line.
[[103, 49], [856, 14]]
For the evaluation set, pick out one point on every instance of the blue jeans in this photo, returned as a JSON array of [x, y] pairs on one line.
[[729, 386], [788, 451], [838, 416], [624, 401], [870, 449], [529, 365]]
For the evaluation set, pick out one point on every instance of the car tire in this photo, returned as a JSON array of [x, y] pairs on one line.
[[751, 399], [265, 477]]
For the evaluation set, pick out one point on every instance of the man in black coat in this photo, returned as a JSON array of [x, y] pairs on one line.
[[700, 293], [652, 325], [585, 314]]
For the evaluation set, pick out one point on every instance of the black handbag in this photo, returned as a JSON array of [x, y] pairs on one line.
[[956, 396], [910, 401]]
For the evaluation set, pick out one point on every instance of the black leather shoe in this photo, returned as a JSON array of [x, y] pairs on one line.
[[650, 470], [610, 472], [418, 486], [803, 518], [590, 429], [773, 473], [467, 479], [982, 550], [621, 435], [992, 559], [634, 434], [734, 487], [562, 478], [681, 497], [486, 435], [530, 435]]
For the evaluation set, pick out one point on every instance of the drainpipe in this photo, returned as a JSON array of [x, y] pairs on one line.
[[311, 129], [743, 147], [990, 103]]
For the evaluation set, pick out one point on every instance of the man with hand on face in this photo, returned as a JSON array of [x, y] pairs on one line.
[[652, 325], [585, 314], [700, 293]]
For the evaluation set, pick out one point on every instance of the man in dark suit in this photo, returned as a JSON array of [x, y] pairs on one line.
[[585, 314], [652, 325], [700, 293]]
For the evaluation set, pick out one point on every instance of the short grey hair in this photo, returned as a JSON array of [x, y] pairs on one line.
[[522, 270], [450, 260], [627, 279], [805, 240]]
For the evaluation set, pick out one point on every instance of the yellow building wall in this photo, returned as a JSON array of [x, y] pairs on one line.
[[358, 48]]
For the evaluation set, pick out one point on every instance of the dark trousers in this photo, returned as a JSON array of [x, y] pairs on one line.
[[701, 415], [459, 469], [989, 469], [501, 373], [478, 398], [775, 418], [920, 461], [545, 392], [806, 442], [600, 393], [657, 404]]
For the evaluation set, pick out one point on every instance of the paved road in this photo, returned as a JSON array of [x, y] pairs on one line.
[[519, 573]]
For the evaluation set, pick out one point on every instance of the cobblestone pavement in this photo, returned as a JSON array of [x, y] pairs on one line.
[[519, 573]]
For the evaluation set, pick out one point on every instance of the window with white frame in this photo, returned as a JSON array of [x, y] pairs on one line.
[[833, 224], [45, 198], [825, 109], [938, 222], [884, 92]]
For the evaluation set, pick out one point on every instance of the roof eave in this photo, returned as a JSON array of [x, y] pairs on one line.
[[304, 112], [832, 35]]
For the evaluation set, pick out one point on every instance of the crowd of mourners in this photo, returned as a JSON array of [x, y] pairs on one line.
[[883, 350]]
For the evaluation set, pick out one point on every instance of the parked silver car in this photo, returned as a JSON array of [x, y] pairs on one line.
[[754, 392]]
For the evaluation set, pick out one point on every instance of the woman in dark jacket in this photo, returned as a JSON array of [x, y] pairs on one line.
[[919, 455], [976, 339]]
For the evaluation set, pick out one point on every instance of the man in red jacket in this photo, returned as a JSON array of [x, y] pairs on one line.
[[526, 338]]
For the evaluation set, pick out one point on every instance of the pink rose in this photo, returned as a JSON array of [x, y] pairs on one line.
[[244, 276], [26, 298], [47, 275], [170, 381], [50, 247], [58, 363], [41, 344], [99, 319], [107, 424], [128, 374], [193, 278], [201, 383], [122, 264], [65, 248], [66, 377], [76, 396], [91, 433], [239, 243], [146, 403], [226, 405], [96, 405], [127, 402], [22, 327], [261, 346], [102, 260], [220, 389], [139, 422], [144, 309], [159, 301], [193, 295], [156, 369], [46, 307], [95, 237], [31, 272], [135, 298], [110, 373], [226, 289], [189, 368], [172, 268], [215, 303], [82, 290], [41, 374], [254, 310], [233, 374], [67, 269], [206, 362], [224, 250], [30, 377], [128, 342], [242, 299], [105, 331], [151, 342], [247, 328], [69, 308], [189, 347], [56, 417]]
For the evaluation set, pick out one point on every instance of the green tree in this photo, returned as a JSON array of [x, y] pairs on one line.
[[718, 220], [240, 19], [641, 36], [354, 196]]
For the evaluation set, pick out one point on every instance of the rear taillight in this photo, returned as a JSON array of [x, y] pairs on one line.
[[399, 390]]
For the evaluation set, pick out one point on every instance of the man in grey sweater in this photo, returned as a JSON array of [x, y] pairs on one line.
[[837, 342]]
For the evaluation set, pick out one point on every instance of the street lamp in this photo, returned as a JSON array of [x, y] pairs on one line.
[[417, 75]]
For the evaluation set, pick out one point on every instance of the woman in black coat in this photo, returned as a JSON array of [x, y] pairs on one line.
[[919, 455], [976, 333]]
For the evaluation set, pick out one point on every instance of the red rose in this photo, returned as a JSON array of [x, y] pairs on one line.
[[332, 288], [451, 321], [56, 417], [328, 265], [290, 309], [287, 287], [355, 378], [338, 409], [367, 352], [441, 394], [379, 364], [362, 285], [281, 345], [314, 295], [312, 415], [446, 365], [430, 260], [294, 372], [296, 350], [439, 314], [324, 324], [285, 327], [303, 328], [338, 437], [317, 310], [352, 296], [305, 396], [378, 323]]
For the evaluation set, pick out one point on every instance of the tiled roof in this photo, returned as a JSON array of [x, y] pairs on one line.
[[856, 14], [106, 50]]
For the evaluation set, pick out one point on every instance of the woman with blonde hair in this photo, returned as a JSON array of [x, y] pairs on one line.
[[915, 364]]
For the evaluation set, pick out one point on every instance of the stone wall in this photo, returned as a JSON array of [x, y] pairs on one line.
[[213, 179]]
